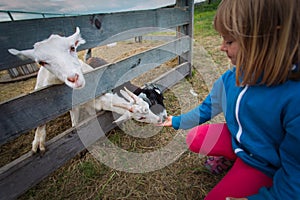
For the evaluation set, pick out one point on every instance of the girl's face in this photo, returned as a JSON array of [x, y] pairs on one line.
[[231, 48]]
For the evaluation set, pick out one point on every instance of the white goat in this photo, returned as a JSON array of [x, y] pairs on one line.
[[59, 64]]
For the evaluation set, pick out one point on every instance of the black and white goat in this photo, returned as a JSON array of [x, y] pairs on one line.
[[59, 63]]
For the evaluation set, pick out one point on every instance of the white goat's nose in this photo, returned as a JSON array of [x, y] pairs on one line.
[[73, 79], [160, 120]]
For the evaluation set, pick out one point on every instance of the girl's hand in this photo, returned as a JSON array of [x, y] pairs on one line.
[[230, 198], [167, 122]]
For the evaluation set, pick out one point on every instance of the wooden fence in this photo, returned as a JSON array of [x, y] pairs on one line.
[[24, 113]]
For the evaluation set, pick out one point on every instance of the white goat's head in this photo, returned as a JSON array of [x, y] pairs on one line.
[[136, 109], [58, 55]]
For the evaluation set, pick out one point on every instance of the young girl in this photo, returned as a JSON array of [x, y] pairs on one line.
[[260, 99]]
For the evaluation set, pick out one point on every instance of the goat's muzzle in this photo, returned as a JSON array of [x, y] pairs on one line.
[[73, 79]]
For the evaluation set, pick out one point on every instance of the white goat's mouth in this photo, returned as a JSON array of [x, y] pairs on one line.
[[142, 118], [76, 85], [149, 121]]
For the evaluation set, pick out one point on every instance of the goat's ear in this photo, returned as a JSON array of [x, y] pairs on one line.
[[130, 96], [126, 96], [24, 54], [79, 42], [124, 117], [123, 106]]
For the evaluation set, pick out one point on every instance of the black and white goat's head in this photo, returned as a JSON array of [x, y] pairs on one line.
[[153, 95]]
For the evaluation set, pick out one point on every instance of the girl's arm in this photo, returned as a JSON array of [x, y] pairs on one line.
[[210, 107]]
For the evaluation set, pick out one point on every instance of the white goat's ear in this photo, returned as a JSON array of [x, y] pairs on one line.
[[124, 117], [79, 41], [123, 106], [130, 96], [24, 54], [126, 96]]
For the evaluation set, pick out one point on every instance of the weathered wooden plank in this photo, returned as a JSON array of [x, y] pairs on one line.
[[173, 76], [25, 172], [97, 29], [27, 112]]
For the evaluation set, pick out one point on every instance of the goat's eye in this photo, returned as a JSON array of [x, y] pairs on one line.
[[142, 118], [42, 63], [145, 110], [72, 49]]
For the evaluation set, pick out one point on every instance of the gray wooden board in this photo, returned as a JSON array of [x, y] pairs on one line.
[[27, 112], [174, 75], [25, 172], [97, 29]]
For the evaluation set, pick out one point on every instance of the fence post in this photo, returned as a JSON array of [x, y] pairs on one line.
[[187, 29]]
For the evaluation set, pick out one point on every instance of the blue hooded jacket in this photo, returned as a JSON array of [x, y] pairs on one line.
[[265, 126]]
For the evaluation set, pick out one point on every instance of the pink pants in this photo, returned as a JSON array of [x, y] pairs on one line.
[[241, 180]]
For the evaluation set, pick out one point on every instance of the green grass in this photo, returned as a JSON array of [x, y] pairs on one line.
[[203, 19], [88, 169]]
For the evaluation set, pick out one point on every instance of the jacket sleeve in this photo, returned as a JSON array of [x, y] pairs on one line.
[[286, 181], [210, 107]]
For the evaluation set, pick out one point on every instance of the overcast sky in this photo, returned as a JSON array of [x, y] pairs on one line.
[[76, 6], [80, 6]]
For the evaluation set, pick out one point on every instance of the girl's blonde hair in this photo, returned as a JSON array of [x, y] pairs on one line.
[[268, 34]]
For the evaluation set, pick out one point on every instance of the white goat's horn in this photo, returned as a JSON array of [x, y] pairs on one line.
[[132, 95], [124, 106], [76, 37], [77, 30]]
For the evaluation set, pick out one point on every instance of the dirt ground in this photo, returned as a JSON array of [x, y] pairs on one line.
[[84, 177]]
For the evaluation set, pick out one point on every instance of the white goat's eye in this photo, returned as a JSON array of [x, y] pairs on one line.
[[72, 49], [146, 110], [43, 63]]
